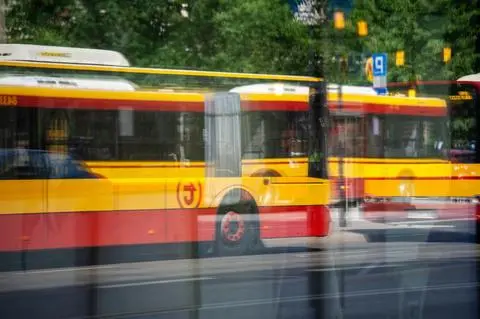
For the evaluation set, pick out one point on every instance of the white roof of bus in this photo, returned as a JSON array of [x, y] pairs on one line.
[[471, 77], [45, 53], [114, 84], [351, 89], [280, 88]]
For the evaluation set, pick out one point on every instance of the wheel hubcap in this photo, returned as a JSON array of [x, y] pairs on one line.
[[233, 226]]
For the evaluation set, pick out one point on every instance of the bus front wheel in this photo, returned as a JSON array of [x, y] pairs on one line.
[[236, 229]]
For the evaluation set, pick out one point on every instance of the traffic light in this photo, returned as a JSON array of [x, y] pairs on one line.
[[362, 28], [339, 20], [447, 54], [369, 69], [400, 58]]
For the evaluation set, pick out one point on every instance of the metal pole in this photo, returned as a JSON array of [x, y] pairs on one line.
[[3, 29], [341, 168]]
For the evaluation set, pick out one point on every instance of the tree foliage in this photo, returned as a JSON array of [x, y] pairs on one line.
[[421, 29], [258, 35]]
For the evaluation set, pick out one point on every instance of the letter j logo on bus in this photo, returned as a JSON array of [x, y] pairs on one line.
[[189, 194]]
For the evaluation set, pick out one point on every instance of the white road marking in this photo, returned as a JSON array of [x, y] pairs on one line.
[[46, 271], [429, 221], [154, 282], [374, 265], [431, 226], [391, 265]]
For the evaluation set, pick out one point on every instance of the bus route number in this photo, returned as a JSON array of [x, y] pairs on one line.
[[8, 100]]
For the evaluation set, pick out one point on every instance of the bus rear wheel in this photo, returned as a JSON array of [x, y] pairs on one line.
[[236, 231]]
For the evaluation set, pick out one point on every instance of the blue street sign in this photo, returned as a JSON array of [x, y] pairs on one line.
[[381, 91], [379, 61]]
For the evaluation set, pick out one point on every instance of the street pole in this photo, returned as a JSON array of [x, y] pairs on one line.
[[339, 23], [3, 30]]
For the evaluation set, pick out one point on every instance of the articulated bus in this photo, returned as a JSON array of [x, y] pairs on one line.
[[87, 167], [384, 151]]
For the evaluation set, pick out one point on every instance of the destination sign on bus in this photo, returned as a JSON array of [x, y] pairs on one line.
[[461, 96], [8, 100], [55, 54]]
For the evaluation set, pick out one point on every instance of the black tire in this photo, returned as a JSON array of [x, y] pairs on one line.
[[242, 234]]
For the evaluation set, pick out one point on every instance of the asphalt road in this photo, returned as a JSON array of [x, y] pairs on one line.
[[401, 272]]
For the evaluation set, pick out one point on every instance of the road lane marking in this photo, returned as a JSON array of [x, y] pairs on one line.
[[153, 282], [446, 221], [361, 268], [66, 269], [431, 226], [365, 270]]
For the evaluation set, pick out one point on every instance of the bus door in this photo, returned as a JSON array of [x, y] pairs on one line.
[[347, 148], [74, 194]]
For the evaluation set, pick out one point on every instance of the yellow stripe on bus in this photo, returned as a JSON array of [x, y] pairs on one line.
[[102, 95], [101, 68], [391, 100]]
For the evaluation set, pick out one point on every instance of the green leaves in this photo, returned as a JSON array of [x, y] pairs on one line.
[[258, 35], [422, 29]]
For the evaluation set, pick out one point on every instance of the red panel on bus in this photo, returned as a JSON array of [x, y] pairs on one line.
[[113, 228], [371, 108]]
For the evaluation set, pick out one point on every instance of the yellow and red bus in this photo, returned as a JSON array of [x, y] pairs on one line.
[[86, 167], [462, 97], [381, 150], [398, 146]]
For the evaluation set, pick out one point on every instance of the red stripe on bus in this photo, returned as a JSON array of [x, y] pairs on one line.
[[295, 106], [104, 104], [189, 106], [116, 228], [387, 161], [424, 178], [262, 162], [293, 161], [266, 162], [145, 166], [150, 105], [370, 108]]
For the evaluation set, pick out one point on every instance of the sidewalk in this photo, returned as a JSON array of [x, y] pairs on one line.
[[360, 231]]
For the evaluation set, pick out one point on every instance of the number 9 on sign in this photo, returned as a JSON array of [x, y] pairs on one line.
[[379, 64]]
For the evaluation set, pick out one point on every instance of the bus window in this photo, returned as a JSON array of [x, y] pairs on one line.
[[407, 136], [155, 135], [463, 123], [275, 134], [347, 134]]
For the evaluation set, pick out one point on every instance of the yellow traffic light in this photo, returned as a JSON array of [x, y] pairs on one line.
[[339, 20], [369, 69], [400, 58], [362, 28], [447, 54]]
